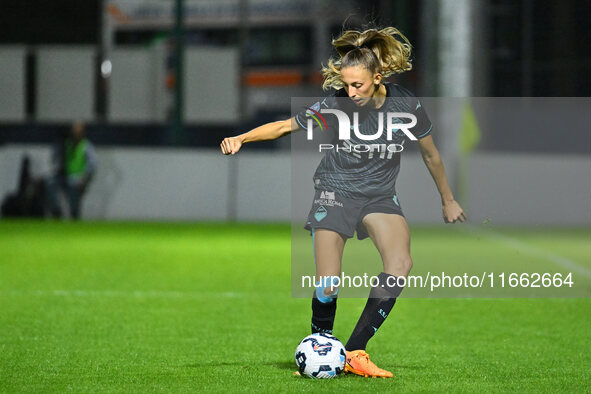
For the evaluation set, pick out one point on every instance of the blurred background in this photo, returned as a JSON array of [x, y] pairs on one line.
[[159, 83]]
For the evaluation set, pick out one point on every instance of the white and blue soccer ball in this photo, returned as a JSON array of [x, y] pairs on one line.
[[320, 356]]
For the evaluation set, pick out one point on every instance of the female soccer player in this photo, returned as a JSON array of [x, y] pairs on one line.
[[356, 191]]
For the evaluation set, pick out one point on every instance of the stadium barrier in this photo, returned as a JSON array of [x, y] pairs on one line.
[[201, 184]]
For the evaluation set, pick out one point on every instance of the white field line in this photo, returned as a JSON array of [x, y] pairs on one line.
[[516, 244], [122, 294]]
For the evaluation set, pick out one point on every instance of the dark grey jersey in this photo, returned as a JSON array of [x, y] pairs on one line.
[[358, 167]]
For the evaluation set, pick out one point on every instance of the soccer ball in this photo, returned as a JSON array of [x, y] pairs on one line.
[[321, 356]]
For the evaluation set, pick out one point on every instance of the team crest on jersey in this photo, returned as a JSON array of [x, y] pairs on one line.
[[320, 213]]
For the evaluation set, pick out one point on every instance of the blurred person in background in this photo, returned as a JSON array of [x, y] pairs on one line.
[[73, 164]]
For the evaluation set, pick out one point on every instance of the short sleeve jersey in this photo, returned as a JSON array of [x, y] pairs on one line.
[[358, 168]]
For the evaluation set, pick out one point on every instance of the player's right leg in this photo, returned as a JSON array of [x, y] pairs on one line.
[[328, 254], [390, 234]]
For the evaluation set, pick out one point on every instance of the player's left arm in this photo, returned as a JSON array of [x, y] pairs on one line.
[[452, 211]]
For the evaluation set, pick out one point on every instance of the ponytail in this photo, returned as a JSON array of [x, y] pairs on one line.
[[386, 51]]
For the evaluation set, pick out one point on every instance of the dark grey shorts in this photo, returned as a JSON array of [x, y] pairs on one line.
[[344, 215]]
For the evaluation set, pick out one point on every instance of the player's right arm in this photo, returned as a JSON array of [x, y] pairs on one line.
[[266, 132]]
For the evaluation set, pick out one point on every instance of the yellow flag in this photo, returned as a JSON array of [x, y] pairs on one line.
[[470, 133]]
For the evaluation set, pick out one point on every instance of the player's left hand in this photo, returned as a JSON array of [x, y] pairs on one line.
[[452, 212]]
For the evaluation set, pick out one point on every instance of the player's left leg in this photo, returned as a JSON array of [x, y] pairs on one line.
[[331, 220], [389, 233]]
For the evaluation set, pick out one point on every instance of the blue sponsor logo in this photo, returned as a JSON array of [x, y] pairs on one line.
[[395, 200]]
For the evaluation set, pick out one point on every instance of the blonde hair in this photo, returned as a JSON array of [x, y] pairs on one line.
[[376, 50]]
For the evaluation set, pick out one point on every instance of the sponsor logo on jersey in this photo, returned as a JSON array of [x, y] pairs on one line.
[[328, 199], [327, 195]]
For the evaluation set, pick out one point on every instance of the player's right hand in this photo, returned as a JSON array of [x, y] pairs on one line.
[[231, 145]]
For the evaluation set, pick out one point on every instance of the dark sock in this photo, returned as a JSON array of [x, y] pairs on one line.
[[379, 304], [323, 315]]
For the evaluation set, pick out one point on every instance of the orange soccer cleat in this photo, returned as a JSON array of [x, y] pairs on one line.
[[358, 362]]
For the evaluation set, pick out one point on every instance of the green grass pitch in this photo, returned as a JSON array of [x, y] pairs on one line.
[[151, 307]]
